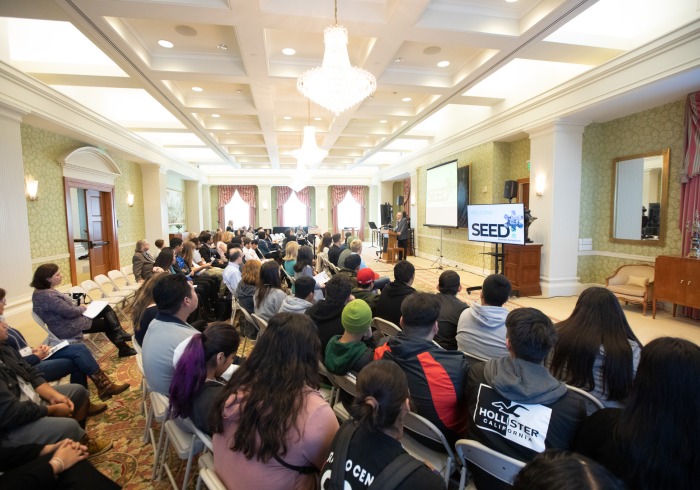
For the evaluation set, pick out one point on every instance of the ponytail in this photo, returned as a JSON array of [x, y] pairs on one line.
[[188, 377]]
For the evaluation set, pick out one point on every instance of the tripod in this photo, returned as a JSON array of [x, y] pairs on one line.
[[439, 259]]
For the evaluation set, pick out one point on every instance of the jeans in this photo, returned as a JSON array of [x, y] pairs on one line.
[[381, 282], [74, 359]]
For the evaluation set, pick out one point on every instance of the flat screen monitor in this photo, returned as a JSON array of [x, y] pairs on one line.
[[497, 223]]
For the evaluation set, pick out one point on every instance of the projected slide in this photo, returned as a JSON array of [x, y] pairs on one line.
[[441, 195]]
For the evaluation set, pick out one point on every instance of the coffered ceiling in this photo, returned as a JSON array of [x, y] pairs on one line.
[[213, 82]]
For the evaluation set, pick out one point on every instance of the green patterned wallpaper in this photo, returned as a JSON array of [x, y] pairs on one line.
[[655, 129], [41, 150]]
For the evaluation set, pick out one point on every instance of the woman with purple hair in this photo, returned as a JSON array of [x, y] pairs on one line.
[[197, 377]]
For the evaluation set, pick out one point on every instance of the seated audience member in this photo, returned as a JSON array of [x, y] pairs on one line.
[[481, 329], [263, 243], [167, 256], [291, 251], [370, 440], [517, 407], [208, 251], [272, 428], [59, 466], [232, 272], [175, 299], [355, 348], [166, 260], [557, 469], [436, 377], [346, 241], [143, 308], [596, 349], [65, 320], [32, 411], [73, 359], [245, 294], [451, 308], [160, 243], [303, 297], [365, 287], [350, 269], [248, 252], [197, 377], [207, 286], [653, 441], [142, 262], [355, 246], [269, 294], [327, 313], [389, 302], [334, 249], [255, 247]]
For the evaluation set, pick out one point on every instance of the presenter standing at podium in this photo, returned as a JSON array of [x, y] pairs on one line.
[[402, 229]]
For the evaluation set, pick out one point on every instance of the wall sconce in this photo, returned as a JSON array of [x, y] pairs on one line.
[[321, 205], [130, 199], [539, 184], [32, 188], [264, 205]]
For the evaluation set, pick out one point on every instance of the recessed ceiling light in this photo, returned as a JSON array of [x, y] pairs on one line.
[[287, 118], [407, 99], [383, 121], [443, 64], [398, 59], [289, 51], [222, 46], [197, 89], [165, 44], [215, 115], [318, 118], [511, 1]]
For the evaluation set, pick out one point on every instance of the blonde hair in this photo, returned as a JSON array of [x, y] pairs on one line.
[[291, 251], [356, 245], [218, 236], [188, 253]]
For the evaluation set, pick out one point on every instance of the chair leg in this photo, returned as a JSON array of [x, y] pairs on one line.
[[190, 457], [149, 421], [159, 455]]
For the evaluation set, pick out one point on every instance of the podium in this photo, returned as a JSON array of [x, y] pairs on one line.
[[390, 251], [522, 268]]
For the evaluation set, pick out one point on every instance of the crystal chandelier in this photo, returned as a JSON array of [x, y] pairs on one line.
[[336, 85], [309, 154]]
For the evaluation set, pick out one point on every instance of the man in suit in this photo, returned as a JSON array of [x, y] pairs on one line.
[[402, 229], [142, 261]]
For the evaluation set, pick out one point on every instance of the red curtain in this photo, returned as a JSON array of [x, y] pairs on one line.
[[247, 193], [357, 192], [304, 197], [406, 196], [283, 195]]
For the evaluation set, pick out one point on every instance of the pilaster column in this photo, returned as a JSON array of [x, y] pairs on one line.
[[206, 207], [374, 203], [155, 202], [265, 206], [193, 213], [414, 199], [555, 171], [16, 265], [322, 212]]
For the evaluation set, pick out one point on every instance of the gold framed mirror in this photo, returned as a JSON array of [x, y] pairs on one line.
[[639, 208]]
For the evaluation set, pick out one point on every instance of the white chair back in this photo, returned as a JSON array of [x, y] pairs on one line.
[[415, 425], [121, 282], [591, 403], [128, 271], [496, 464], [388, 328], [109, 288], [51, 339], [261, 324], [210, 479]]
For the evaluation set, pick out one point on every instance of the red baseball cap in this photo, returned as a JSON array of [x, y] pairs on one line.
[[366, 275]]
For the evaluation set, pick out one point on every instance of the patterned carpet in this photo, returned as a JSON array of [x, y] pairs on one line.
[[130, 461]]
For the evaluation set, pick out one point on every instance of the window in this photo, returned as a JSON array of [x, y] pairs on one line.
[[238, 211], [349, 213], [294, 212]]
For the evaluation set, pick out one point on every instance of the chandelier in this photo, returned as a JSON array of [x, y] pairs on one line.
[[309, 154], [336, 85]]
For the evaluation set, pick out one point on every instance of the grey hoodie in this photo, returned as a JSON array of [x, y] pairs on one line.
[[292, 304], [481, 331], [522, 381]]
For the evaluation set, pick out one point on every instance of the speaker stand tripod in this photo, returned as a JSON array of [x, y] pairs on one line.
[[438, 261]]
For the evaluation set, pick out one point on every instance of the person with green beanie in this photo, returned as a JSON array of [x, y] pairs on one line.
[[354, 349]]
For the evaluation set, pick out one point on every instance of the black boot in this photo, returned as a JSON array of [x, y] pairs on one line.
[[125, 350], [113, 321]]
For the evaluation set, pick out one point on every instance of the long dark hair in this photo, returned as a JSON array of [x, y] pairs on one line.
[[143, 298], [326, 242], [269, 280], [165, 259], [597, 320], [305, 257], [270, 385], [191, 370], [657, 432], [42, 274], [382, 389]]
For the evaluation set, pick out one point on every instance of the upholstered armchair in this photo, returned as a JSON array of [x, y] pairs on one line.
[[633, 284]]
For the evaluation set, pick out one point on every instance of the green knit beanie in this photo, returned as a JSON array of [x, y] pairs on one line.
[[357, 316]]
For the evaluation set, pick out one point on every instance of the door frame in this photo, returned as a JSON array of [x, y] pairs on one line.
[[108, 215]]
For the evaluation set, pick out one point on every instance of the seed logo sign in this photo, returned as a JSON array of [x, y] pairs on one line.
[[526, 425], [497, 223]]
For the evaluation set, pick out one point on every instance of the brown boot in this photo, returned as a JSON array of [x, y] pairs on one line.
[[96, 408], [105, 387]]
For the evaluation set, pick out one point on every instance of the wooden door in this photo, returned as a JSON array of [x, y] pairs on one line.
[[691, 276], [669, 272], [97, 234]]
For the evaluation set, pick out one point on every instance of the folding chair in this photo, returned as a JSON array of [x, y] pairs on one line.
[[128, 271], [87, 337], [121, 282], [179, 432], [591, 403], [290, 279], [111, 289], [342, 384], [261, 324], [211, 480], [250, 320], [158, 411], [492, 462], [386, 327], [116, 301], [327, 394], [473, 359], [443, 461], [51, 339]]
